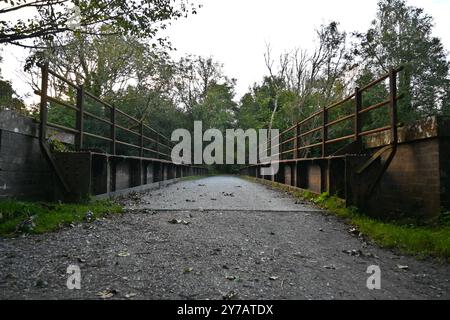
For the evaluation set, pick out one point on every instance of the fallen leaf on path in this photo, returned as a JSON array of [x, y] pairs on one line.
[[226, 194], [41, 283], [108, 293], [355, 232], [177, 221], [356, 253], [130, 295], [26, 225], [402, 267], [230, 295], [188, 270], [273, 278], [123, 254], [231, 278], [89, 216], [330, 267]]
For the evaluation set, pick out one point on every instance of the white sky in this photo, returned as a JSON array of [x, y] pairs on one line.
[[235, 32]]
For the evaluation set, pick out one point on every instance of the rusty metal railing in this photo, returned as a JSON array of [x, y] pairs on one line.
[[155, 143], [294, 142]]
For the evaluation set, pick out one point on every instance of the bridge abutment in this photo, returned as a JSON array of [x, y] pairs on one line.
[[416, 182], [25, 173]]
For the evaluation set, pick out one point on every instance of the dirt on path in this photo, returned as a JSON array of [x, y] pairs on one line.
[[213, 238]]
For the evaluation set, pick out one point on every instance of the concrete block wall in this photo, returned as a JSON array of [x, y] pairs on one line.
[[411, 185], [444, 154], [417, 182], [24, 172], [418, 179], [149, 173], [107, 175], [314, 178], [288, 177]]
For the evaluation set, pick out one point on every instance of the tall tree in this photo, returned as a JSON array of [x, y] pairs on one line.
[[217, 110], [195, 76], [315, 78], [101, 63], [300, 82], [401, 35]]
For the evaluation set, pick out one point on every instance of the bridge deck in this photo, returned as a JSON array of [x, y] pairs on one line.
[[255, 242]]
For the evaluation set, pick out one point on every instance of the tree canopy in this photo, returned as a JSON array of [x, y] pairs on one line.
[[402, 35], [112, 52], [140, 18]]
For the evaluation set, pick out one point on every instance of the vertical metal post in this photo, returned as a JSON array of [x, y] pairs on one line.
[[113, 130], [358, 107], [393, 98], [141, 129], [43, 115], [324, 131], [298, 142], [157, 146], [43, 112], [79, 140], [280, 146]]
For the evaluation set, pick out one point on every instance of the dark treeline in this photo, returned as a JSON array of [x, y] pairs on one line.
[[131, 68]]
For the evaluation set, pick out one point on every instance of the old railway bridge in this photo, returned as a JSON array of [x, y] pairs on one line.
[[384, 168]]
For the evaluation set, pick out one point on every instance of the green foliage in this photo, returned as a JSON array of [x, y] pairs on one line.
[[301, 84], [323, 198], [141, 18], [401, 35], [379, 117], [9, 99], [111, 61], [57, 146], [217, 108], [48, 217], [444, 218]]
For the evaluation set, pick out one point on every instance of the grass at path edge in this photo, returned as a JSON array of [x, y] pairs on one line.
[[18, 217]]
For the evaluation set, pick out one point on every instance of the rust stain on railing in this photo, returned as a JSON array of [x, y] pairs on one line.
[[157, 144], [295, 136]]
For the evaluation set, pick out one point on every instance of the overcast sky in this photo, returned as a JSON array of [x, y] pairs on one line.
[[235, 32]]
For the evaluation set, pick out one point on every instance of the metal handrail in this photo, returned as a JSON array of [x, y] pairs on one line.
[[300, 131], [157, 140]]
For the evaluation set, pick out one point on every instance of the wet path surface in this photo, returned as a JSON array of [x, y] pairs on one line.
[[209, 239]]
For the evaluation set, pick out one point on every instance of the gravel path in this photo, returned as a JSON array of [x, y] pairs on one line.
[[231, 238]]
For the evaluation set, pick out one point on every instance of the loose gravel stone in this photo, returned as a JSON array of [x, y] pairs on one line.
[[257, 244]]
